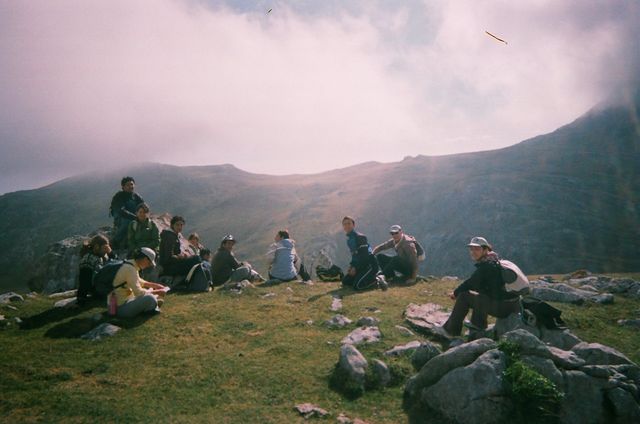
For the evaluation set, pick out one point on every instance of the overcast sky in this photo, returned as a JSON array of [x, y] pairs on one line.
[[314, 85]]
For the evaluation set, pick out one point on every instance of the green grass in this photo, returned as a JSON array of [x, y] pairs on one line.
[[223, 358]]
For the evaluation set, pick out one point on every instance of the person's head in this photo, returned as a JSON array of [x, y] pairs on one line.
[[396, 232], [205, 255], [228, 242], [194, 239], [177, 224], [348, 224], [128, 184], [98, 245], [142, 212], [144, 257], [478, 248], [281, 235]]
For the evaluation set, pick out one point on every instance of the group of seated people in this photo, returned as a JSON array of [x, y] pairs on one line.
[[135, 232]]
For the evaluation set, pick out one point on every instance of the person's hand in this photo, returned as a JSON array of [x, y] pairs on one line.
[[351, 271], [452, 296]]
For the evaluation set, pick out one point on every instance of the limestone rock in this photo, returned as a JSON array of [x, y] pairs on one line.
[[308, 410], [382, 373], [403, 349], [625, 406], [424, 317], [103, 330], [363, 335], [583, 402], [353, 364], [338, 321], [597, 354], [64, 294], [423, 354], [10, 297], [547, 368], [336, 304], [66, 303], [513, 322], [404, 331], [368, 321], [562, 339], [635, 323]]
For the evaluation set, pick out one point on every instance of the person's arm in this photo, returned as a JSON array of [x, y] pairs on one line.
[[413, 258], [131, 236], [233, 261], [133, 280], [383, 246], [271, 254], [473, 282], [155, 237], [166, 247]]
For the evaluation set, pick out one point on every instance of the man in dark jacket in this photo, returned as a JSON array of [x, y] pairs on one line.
[[225, 267], [484, 292], [173, 260], [363, 268], [123, 210]]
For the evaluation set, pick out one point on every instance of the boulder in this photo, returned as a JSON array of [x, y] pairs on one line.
[[363, 335], [308, 410], [423, 318], [625, 407], [583, 402], [597, 354], [423, 354], [404, 331], [513, 322], [8, 297], [403, 349], [353, 364], [532, 346], [564, 293], [562, 339], [103, 330], [459, 396], [338, 321], [546, 367], [381, 372], [368, 321]]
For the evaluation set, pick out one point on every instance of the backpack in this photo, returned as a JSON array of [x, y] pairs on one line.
[[419, 251], [199, 278], [535, 312], [514, 279], [103, 279], [334, 273]]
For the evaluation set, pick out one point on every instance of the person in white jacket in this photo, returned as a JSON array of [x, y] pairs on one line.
[[285, 265]]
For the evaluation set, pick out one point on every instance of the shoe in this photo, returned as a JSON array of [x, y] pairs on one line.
[[439, 330], [382, 283], [471, 326]]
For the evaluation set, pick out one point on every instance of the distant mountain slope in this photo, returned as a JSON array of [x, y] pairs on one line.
[[554, 203]]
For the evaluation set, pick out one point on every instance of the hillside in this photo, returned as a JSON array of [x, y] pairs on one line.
[[566, 200]]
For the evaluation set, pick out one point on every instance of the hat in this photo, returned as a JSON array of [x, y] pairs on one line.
[[479, 242], [150, 254], [395, 229], [228, 237]]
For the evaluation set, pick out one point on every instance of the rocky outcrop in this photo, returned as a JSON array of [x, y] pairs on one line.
[[423, 318]]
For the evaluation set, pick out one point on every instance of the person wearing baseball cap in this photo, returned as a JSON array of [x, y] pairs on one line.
[[225, 267], [405, 262], [483, 292]]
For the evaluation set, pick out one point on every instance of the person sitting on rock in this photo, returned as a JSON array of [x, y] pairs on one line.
[[404, 262], [285, 264], [363, 268], [194, 245], [206, 255], [94, 255], [143, 232], [174, 261], [225, 267], [484, 292], [123, 211], [133, 294]]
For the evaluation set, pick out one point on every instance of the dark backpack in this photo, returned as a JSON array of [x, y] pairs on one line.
[[535, 312], [103, 279], [334, 273], [200, 279]]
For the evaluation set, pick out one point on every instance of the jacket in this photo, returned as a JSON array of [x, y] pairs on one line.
[[123, 205], [486, 279], [360, 250], [223, 264], [128, 273], [143, 234], [283, 257], [169, 246], [405, 248]]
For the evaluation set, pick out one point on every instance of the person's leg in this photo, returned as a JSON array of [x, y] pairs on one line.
[[348, 280], [365, 279], [302, 272], [384, 262], [464, 302], [240, 273], [140, 304]]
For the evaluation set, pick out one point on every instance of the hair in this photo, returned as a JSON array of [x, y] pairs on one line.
[[142, 206], [125, 180], [283, 234], [177, 218], [193, 236], [96, 241], [137, 255], [348, 218], [204, 252]]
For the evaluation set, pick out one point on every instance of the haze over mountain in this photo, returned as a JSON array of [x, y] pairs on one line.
[[565, 200]]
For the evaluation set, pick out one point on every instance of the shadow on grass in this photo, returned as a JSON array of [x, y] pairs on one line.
[[76, 327], [55, 315]]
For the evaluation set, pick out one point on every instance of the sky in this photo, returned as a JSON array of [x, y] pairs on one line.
[[311, 86]]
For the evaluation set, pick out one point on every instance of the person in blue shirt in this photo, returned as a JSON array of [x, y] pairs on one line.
[[363, 268]]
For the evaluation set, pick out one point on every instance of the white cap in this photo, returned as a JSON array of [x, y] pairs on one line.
[[479, 242], [150, 254], [395, 229]]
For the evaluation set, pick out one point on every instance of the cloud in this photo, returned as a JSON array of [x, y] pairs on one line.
[[98, 84]]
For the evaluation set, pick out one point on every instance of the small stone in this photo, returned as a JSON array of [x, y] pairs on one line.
[[309, 322], [423, 354], [336, 304], [308, 410], [103, 330], [268, 295], [65, 303], [64, 294], [289, 289], [404, 331], [13, 308], [368, 321], [338, 321], [10, 297], [363, 335], [449, 278], [402, 349], [635, 323], [17, 320], [383, 375]]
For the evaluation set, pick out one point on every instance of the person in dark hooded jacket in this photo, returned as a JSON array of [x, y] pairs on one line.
[[173, 260], [123, 210]]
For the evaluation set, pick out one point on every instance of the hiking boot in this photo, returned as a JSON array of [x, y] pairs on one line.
[[439, 330], [382, 283]]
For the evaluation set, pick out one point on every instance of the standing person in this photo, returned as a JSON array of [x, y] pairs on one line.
[[406, 260], [173, 260], [94, 255], [143, 232], [133, 294], [225, 267], [285, 264], [194, 246], [363, 268], [123, 211], [489, 296]]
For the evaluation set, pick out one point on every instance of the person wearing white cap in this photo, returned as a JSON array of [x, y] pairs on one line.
[[484, 292], [133, 294], [405, 261]]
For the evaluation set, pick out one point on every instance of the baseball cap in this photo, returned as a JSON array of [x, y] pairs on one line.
[[228, 237], [479, 242], [150, 254], [395, 229]]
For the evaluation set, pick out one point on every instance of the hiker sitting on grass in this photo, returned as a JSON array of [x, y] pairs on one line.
[[173, 260], [484, 292], [133, 294], [123, 211], [194, 245], [225, 267], [94, 255], [143, 232], [285, 264], [404, 262], [363, 268]]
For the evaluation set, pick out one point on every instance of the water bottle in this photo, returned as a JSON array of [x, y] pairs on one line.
[[113, 304]]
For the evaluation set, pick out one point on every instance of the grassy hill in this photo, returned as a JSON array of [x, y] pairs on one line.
[[223, 358], [566, 200]]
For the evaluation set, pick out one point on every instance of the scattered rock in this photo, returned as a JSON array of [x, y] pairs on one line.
[[338, 321], [336, 304], [513, 322], [289, 289], [625, 407], [562, 339], [531, 345], [353, 364], [363, 335], [368, 321], [66, 303], [268, 295], [13, 308], [546, 367], [583, 401], [424, 317], [103, 330], [64, 294], [17, 320], [450, 278], [237, 286], [629, 323], [404, 331], [402, 349], [381, 372], [597, 354], [10, 297], [343, 419], [308, 410], [423, 354]]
